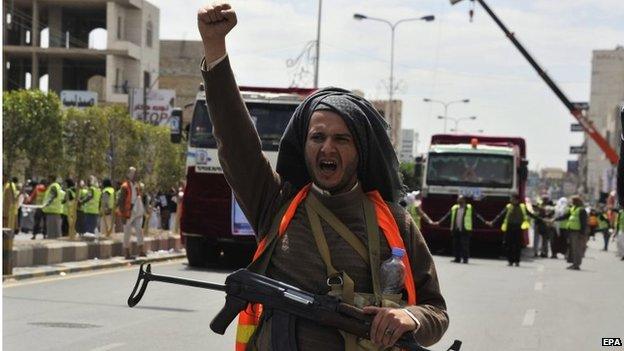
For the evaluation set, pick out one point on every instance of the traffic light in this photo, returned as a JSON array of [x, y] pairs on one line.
[[175, 125]]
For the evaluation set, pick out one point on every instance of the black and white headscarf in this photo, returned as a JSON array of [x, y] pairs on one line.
[[378, 166]]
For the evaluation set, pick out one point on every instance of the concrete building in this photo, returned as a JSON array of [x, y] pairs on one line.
[[409, 143], [179, 71], [106, 46], [607, 94], [394, 121]]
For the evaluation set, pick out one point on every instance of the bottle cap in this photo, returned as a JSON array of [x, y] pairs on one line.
[[398, 252]]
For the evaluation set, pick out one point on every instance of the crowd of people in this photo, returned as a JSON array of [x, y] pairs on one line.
[[54, 208], [561, 228]]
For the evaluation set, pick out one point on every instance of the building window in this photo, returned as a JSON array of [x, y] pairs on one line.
[[148, 34], [119, 28], [27, 37]]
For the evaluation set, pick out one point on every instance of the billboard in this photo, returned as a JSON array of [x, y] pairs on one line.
[[78, 98], [158, 107]]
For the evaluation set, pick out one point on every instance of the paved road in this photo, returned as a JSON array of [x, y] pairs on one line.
[[537, 306]]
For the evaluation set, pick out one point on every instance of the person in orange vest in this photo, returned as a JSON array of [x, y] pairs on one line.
[[36, 198], [130, 209], [328, 216]]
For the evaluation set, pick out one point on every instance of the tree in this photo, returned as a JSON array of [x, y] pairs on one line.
[[409, 179], [13, 127], [85, 142], [33, 126]]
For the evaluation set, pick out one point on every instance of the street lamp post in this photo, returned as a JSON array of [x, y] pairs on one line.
[[392, 26], [446, 105], [456, 120]]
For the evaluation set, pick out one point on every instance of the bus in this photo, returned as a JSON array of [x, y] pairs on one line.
[[212, 223], [485, 169]]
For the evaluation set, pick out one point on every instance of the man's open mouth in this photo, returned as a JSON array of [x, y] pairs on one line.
[[328, 166]]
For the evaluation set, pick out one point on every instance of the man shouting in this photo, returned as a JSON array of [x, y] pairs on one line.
[[327, 217]]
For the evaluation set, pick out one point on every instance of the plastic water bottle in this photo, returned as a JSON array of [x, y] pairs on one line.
[[393, 273]]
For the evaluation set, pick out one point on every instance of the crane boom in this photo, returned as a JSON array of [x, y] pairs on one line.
[[587, 125]]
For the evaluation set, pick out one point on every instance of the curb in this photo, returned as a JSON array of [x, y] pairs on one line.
[[15, 277]]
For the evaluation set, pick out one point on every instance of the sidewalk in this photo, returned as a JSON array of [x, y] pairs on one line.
[[34, 258]]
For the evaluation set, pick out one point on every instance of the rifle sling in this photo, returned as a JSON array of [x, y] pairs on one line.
[[346, 289], [372, 229], [339, 227], [283, 331]]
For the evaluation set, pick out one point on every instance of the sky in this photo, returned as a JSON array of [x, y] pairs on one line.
[[447, 59]]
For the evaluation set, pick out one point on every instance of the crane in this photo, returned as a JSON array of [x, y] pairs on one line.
[[575, 109]]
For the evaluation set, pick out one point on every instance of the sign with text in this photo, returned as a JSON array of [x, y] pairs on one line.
[[157, 109], [576, 150], [78, 98], [576, 127], [240, 224]]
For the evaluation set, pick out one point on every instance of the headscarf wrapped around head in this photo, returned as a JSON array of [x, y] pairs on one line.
[[378, 166]]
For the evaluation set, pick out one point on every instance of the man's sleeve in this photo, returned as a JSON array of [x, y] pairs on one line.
[[245, 167], [430, 308]]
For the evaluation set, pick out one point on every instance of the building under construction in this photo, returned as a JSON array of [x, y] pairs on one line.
[[107, 47]]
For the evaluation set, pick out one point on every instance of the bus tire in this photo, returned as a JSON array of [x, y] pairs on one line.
[[200, 252]]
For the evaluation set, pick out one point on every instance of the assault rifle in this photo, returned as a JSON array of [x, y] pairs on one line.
[[243, 287]]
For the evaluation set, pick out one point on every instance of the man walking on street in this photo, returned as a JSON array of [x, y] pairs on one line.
[[331, 203], [130, 209], [515, 222], [578, 231], [53, 208]]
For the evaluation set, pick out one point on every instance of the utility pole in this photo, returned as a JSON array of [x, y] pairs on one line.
[[318, 44]]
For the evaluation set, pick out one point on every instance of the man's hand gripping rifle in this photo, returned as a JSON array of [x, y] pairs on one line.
[[243, 287]]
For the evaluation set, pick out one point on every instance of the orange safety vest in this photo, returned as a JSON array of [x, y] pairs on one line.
[[249, 319], [126, 210]]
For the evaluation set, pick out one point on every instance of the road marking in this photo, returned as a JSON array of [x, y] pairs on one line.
[[539, 286], [529, 318], [540, 268], [7, 284], [108, 347]]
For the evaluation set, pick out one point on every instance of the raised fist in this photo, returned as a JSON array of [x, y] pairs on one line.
[[214, 23]]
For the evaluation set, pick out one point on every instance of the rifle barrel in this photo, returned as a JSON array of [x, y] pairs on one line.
[[184, 281]]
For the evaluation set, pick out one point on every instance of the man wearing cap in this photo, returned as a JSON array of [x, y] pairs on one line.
[[327, 217]]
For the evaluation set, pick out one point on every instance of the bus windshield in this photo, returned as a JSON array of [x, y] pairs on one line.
[[478, 170], [270, 120]]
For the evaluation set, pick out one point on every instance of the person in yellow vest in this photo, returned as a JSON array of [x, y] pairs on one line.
[[53, 208], [107, 208], [328, 213], [603, 226], [515, 222], [10, 205], [414, 207], [461, 224], [578, 231], [83, 195], [91, 205], [69, 209]]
